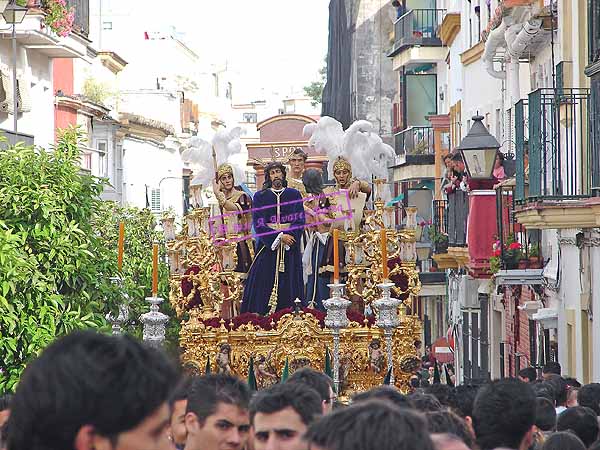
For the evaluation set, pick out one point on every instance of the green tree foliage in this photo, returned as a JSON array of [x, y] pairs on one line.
[[58, 250], [140, 234], [315, 89], [51, 264]]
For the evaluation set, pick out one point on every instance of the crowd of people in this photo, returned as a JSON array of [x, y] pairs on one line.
[[92, 391]]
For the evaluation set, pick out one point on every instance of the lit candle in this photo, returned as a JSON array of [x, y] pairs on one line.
[[121, 243], [155, 270], [384, 258], [336, 257]]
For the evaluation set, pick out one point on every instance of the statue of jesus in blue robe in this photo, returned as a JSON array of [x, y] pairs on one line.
[[275, 278]]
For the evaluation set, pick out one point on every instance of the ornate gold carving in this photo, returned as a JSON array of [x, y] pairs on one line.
[[299, 339]]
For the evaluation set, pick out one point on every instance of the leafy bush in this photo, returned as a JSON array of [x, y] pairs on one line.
[[58, 250]]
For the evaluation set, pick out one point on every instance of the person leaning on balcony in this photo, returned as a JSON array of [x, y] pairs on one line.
[[457, 175]]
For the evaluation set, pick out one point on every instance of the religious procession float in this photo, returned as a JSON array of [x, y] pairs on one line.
[[296, 274]]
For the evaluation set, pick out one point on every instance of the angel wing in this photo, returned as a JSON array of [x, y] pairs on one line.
[[327, 136], [357, 148], [230, 149]]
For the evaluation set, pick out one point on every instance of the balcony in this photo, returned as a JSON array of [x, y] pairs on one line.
[[517, 257], [439, 236], [558, 188], [81, 25], [415, 145], [418, 27]]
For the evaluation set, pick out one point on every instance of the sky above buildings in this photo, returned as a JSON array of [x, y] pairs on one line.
[[275, 45]]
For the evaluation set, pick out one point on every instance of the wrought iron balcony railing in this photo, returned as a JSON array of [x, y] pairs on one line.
[[81, 24], [440, 226], [418, 27], [414, 142], [517, 247], [559, 150], [457, 218]]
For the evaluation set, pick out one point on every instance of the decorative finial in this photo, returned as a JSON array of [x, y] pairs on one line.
[[297, 303]]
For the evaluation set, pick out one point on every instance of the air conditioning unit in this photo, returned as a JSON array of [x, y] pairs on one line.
[[467, 292]]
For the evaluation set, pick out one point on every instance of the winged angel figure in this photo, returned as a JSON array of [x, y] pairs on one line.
[[364, 150]]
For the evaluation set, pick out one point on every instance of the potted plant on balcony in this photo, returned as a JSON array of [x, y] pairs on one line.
[[59, 17], [512, 253], [534, 257], [439, 240]]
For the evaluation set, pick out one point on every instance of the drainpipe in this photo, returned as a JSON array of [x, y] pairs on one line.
[[495, 40], [517, 39]]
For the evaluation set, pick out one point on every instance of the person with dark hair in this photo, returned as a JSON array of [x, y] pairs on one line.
[[551, 367], [528, 375], [462, 400], [582, 421], [504, 415], [545, 415], [275, 277], [384, 393], [561, 390], [425, 402], [589, 396], [372, 425], [317, 381], [545, 390], [217, 413], [563, 440], [446, 421], [177, 429], [442, 392], [92, 391], [297, 162], [281, 414], [572, 382]]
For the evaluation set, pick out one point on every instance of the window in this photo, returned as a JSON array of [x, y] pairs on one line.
[[250, 117], [107, 25], [229, 93], [251, 179], [86, 161], [155, 200], [102, 147], [290, 107]]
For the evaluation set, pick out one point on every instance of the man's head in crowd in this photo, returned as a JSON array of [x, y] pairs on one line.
[[384, 393], [425, 402], [442, 392], [545, 415], [319, 382], [504, 415], [92, 391], [528, 374], [544, 390], [560, 387], [217, 413], [446, 422], [178, 407], [580, 420], [281, 415], [589, 396], [563, 441], [372, 425], [551, 367]]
